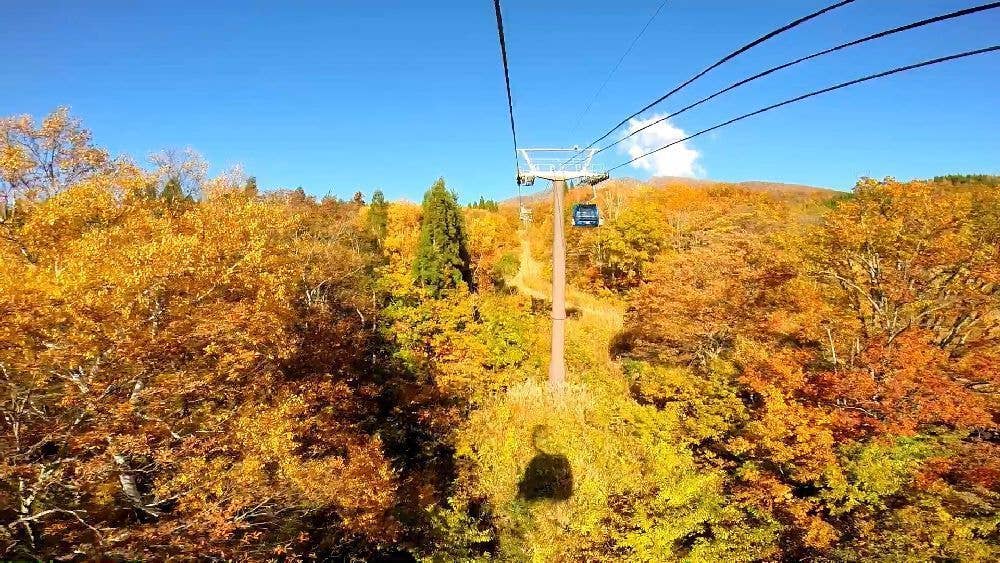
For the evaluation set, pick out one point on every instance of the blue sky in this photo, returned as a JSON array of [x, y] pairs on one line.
[[343, 95]]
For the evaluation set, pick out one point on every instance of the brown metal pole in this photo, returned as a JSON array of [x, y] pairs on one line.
[[557, 365]]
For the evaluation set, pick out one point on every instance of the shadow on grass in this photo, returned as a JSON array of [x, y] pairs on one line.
[[548, 476]]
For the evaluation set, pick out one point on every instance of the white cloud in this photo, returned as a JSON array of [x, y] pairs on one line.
[[678, 160]]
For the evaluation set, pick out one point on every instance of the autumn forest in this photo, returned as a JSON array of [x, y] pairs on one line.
[[196, 367]]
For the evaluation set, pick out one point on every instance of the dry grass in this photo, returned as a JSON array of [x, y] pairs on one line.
[[593, 323]]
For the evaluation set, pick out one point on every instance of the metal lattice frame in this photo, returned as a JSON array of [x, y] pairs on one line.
[[557, 164]]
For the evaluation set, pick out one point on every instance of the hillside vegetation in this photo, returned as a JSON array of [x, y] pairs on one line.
[[196, 368]]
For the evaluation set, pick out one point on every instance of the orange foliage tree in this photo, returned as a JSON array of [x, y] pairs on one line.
[[874, 331], [194, 381]]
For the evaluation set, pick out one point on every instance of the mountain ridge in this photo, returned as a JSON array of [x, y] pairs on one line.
[[662, 182]]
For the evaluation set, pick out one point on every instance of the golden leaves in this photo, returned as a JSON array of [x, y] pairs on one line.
[[38, 162]]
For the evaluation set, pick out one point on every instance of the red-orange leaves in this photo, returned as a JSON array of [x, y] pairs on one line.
[[898, 387], [976, 464]]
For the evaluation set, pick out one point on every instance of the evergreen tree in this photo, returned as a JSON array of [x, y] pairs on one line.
[[251, 187], [442, 259], [358, 199], [378, 216], [987, 180], [151, 190], [485, 204], [172, 191]]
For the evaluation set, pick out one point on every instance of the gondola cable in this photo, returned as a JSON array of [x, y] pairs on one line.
[[879, 35], [815, 93], [506, 76], [770, 35]]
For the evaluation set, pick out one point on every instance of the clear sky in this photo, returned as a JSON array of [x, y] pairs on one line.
[[336, 96]]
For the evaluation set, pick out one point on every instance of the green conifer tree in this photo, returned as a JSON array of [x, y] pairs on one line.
[[378, 216], [442, 260], [172, 191], [250, 188]]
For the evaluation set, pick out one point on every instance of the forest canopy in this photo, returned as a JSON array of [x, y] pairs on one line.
[[199, 367]]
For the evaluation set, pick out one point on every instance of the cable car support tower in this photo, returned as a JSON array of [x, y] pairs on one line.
[[558, 165]]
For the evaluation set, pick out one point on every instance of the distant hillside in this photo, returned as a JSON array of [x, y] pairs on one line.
[[777, 188]]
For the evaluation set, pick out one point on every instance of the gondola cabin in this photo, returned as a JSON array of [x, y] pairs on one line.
[[586, 215]]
